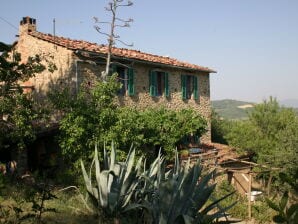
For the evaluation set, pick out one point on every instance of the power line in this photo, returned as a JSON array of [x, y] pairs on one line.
[[8, 23]]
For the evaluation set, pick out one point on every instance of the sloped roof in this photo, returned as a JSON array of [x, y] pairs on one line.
[[119, 52]]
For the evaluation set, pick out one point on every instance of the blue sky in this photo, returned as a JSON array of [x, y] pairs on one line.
[[253, 44]]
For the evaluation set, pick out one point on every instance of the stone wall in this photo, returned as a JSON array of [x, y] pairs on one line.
[[142, 98], [71, 71], [62, 58]]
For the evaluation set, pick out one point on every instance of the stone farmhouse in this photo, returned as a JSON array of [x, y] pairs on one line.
[[148, 80]]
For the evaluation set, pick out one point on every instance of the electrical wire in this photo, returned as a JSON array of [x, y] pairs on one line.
[[8, 23]]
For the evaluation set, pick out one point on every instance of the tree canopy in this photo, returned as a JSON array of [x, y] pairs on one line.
[[17, 110], [271, 134]]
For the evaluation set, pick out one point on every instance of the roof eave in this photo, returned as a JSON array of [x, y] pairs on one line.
[[150, 62]]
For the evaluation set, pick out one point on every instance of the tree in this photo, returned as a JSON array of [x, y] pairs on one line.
[[219, 128], [88, 117], [17, 110], [112, 36], [271, 134]]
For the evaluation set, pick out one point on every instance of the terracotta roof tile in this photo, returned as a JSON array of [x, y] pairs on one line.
[[120, 52]]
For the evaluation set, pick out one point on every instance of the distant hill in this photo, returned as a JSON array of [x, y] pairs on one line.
[[237, 110], [289, 103], [232, 109]]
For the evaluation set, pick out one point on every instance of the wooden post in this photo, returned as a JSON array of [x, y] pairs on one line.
[[249, 195]]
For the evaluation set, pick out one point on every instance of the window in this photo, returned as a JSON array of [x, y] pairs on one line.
[[126, 78], [189, 86], [158, 83]]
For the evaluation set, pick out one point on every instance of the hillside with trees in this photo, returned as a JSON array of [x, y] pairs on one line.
[[232, 109], [239, 110]]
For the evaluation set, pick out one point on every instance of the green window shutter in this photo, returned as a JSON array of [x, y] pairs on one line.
[[152, 83], [167, 89], [195, 87], [183, 86], [131, 87], [113, 69]]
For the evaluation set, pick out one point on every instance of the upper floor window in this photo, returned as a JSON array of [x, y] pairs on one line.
[[126, 78], [159, 83], [189, 87]]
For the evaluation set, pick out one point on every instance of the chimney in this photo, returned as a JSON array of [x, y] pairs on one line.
[[27, 25]]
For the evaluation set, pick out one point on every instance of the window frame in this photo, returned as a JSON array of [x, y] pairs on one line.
[[189, 87], [126, 78], [159, 83]]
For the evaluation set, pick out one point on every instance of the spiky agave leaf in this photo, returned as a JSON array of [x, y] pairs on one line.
[[97, 176], [115, 183], [215, 203], [180, 198], [129, 162], [112, 156], [105, 158], [86, 178]]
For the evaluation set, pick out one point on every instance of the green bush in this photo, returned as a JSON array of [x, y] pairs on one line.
[[94, 116], [240, 208], [271, 136], [261, 212]]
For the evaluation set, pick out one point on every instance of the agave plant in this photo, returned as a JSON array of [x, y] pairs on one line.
[[111, 190], [177, 195], [180, 195], [286, 212]]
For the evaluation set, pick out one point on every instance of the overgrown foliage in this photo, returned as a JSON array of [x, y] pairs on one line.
[[157, 195], [17, 110], [88, 117], [156, 127], [286, 206], [115, 183], [271, 135], [94, 116], [22, 202], [219, 128], [240, 209], [181, 194], [287, 213]]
